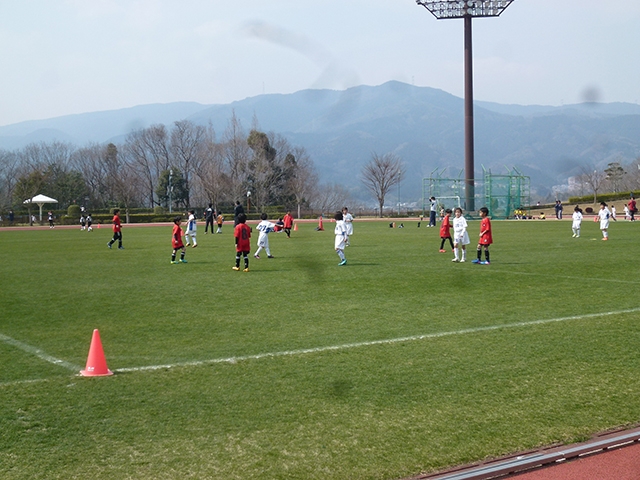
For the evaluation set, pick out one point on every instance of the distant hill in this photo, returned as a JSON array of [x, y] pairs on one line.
[[424, 126]]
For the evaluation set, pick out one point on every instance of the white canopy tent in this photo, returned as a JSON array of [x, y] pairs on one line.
[[40, 200]]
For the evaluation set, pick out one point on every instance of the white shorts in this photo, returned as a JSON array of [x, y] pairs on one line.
[[349, 228], [263, 241], [604, 224], [340, 242], [463, 240]]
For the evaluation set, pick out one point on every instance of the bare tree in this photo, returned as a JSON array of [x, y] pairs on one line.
[[303, 178], [236, 153], [330, 198], [90, 162], [8, 177], [594, 179], [148, 152], [381, 174]]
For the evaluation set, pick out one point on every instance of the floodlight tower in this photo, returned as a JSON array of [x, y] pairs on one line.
[[467, 9]]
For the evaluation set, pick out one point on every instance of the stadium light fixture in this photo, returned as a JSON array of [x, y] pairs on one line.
[[467, 9]]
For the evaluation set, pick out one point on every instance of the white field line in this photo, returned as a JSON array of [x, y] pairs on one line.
[[566, 277], [38, 353], [376, 342]]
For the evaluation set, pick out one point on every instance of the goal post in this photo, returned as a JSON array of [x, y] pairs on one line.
[[448, 202]]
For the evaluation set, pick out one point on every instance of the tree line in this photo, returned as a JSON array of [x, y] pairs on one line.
[[182, 166]]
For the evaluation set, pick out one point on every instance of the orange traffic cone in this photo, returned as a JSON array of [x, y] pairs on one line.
[[96, 363], [320, 227], [295, 227]]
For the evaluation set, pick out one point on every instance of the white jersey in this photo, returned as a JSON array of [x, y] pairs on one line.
[[264, 227], [341, 234], [460, 234], [191, 225], [604, 215], [577, 219], [348, 221]]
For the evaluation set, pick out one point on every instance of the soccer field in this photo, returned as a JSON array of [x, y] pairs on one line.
[[398, 363]]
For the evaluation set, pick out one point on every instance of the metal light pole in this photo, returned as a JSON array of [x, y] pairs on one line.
[[170, 191], [467, 10]]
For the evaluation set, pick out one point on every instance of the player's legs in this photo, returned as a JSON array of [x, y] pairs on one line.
[[257, 254], [246, 261]]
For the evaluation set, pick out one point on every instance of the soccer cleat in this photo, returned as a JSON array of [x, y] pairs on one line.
[[120, 248], [476, 260], [486, 262], [194, 246], [442, 251], [246, 270], [463, 260], [343, 262], [270, 256], [235, 268], [109, 245], [187, 244], [257, 256], [173, 262], [573, 236], [604, 239], [183, 260], [455, 260]]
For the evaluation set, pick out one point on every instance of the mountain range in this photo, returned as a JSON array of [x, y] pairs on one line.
[[423, 126]]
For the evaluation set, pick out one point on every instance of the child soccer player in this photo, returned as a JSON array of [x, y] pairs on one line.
[[219, 220], [89, 222], [264, 227], [604, 214], [191, 229], [83, 221], [242, 234], [341, 237], [176, 241], [445, 230], [486, 238], [288, 224], [117, 230], [460, 236], [577, 221], [348, 221]]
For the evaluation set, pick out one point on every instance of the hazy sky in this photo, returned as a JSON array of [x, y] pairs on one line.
[[60, 57]]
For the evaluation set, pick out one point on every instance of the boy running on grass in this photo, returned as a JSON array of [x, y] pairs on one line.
[[242, 235], [176, 241], [191, 229], [264, 227], [445, 230], [341, 237], [117, 230], [486, 238]]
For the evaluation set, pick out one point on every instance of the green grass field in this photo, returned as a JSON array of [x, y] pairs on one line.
[[399, 363]]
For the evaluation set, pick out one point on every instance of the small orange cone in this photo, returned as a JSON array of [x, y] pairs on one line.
[[96, 363], [320, 227], [295, 227]]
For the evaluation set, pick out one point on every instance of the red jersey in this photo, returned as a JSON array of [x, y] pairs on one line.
[[116, 223], [242, 233], [176, 238], [485, 232], [288, 221], [445, 227]]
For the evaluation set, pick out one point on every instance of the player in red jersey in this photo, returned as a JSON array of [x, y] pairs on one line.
[[176, 241], [242, 234], [288, 224], [117, 230], [486, 238], [445, 230]]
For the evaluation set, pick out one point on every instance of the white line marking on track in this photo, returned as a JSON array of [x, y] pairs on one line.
[[376, 342], [38, 353]]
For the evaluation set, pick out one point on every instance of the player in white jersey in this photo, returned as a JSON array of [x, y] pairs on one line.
[[348, 221], [341, 237], [605, 215], [577, 221], [190, 234], [460, 236], [265, 228]]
